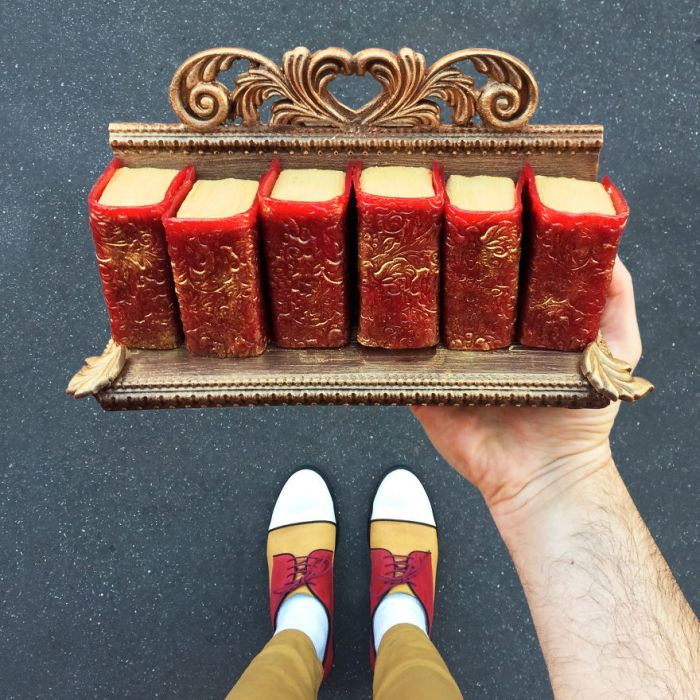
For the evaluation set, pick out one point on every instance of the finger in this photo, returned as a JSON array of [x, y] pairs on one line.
[[441, 421], [619, 321], [431, 415], [432, 418], [442, 427]]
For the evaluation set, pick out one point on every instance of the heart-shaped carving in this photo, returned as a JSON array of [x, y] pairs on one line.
[[300, 94], [355, 92]]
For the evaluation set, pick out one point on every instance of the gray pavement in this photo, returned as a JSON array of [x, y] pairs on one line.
[[131, 545]]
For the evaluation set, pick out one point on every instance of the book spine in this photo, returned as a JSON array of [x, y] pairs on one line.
[[135, 269], [218, 280], [480, 269], [306, 256], [570, 260], [398, 267]]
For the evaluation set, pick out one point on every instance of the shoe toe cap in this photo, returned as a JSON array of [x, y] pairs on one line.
[[401, 496], [304, 498]]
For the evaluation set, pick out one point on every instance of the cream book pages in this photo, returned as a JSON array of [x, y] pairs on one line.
[[481, 192], [137, 187], [574, 196], [397, 181], [309, 185], [218, 199]]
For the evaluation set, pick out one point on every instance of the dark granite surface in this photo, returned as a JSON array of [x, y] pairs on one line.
[[131, 545]]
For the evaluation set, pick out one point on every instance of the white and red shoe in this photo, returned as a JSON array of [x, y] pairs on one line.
[[301, 545], [403, 547]]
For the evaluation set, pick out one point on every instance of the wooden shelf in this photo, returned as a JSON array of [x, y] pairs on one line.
[[223, 134], [351, 375]]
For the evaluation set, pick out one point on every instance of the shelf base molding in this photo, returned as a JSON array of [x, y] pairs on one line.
[[346, 376], [355, 375]]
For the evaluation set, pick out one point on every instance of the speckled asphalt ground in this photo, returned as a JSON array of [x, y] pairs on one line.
[[131, 560]]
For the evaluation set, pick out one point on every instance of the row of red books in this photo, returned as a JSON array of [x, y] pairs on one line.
[[427, 270]]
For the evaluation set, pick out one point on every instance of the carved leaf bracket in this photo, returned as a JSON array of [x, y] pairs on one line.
[[610, 376], [299, 94], [98, 372]]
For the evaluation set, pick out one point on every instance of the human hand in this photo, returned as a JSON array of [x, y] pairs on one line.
[[517, 455]]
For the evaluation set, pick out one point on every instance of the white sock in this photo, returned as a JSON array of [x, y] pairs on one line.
[[395, 609], [305, 613]]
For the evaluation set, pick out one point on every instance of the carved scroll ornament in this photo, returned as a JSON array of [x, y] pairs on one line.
[[299, 95]]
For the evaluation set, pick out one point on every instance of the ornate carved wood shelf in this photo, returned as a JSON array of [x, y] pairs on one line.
[[222, 134], [351, 375]]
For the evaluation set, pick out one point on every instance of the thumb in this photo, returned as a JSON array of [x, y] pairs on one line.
[[619, 320]]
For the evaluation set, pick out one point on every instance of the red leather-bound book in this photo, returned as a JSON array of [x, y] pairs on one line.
[[480, 270], [570, 258], [398, 266], [218, 279], [306, 256], [133, 261]]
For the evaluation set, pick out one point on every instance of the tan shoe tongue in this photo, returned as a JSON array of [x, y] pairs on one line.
[[402, 562]]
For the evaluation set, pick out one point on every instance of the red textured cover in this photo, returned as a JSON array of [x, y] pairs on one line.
[[419, 579], [398, 258], [480, 269], [216, 265], [133, 261], [570, 263], [306, 254], [318, 579]]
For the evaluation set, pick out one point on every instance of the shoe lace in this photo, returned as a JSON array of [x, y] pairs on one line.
[[302, 570], [398, 568]]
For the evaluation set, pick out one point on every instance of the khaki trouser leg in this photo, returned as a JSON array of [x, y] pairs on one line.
[[287, 668], [409, 667]]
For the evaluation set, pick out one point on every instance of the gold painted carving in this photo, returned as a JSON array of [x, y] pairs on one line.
[[610, 376], [98, 372], [299, 94]]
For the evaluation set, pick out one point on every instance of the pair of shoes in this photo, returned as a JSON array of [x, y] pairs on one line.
[[301, 545]]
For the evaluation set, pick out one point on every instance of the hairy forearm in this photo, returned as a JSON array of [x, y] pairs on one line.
[[610, 617]]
